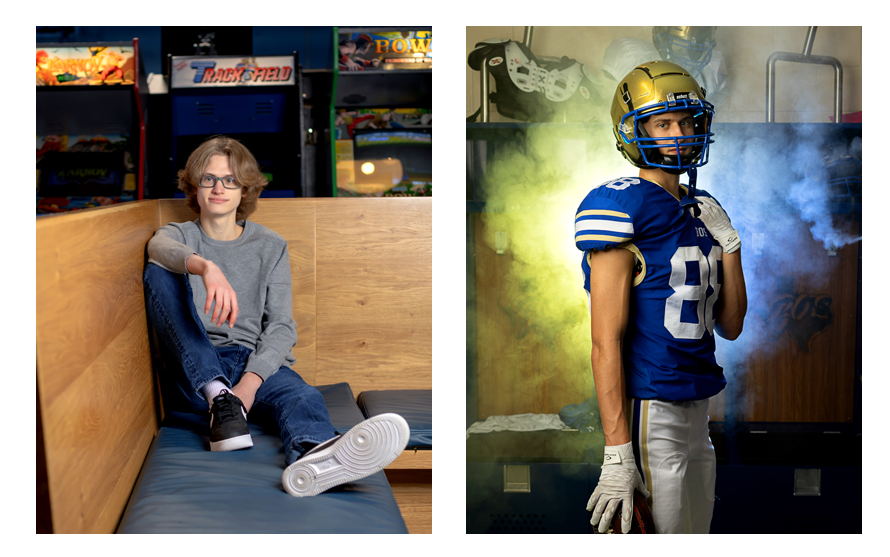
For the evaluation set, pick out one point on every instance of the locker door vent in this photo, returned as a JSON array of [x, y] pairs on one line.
[[518, 524]]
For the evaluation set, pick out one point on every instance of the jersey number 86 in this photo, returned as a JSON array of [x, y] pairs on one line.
[[694, 293]]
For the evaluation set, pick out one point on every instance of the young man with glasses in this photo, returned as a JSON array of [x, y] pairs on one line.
[[235, 354]]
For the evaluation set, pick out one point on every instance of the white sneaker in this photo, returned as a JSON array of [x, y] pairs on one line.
[[363, 450]]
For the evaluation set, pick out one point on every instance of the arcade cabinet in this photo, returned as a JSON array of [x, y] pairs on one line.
[[91, 132], [254, 99], [381, 112]]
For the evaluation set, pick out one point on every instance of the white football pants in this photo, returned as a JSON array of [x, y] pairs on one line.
[[675, 456]]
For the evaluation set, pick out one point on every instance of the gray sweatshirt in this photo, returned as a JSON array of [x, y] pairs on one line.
[[257, 266]]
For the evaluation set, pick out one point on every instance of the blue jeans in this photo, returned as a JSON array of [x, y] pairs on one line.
[[284, 400]]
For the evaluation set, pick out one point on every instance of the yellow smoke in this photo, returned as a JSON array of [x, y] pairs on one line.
[[533, 319]]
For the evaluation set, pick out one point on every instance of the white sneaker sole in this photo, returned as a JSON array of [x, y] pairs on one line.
[[232, 444], [363, 450]]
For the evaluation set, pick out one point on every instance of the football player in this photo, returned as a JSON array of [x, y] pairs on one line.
[[662, 267]]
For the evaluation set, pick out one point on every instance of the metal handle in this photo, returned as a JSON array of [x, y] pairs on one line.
[[805, 58], [483, 76]]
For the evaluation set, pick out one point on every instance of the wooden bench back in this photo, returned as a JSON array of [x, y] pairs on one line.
[[362, 296]]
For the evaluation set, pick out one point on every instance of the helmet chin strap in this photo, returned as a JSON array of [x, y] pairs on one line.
[[689, 200]]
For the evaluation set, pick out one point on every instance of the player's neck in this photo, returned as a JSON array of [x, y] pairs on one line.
[[223, 227], [670, 182]]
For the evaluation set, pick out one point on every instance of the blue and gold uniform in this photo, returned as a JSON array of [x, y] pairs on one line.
[[669, 341]]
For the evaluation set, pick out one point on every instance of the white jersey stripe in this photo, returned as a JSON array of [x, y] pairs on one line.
[[604, 225]]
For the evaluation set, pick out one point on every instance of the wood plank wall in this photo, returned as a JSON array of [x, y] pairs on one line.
[[799, 364], [363, 265], [96, 387], [516, 371], [375, 313]]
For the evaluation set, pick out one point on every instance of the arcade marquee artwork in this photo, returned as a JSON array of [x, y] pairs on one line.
[[390, 50], [85, 65], [231, 71]]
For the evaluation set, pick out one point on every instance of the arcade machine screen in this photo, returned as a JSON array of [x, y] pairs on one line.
[[78, 172], [394, 162]]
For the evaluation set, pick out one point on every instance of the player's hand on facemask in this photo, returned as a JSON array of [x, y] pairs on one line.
[[718, 224], [618, 479]]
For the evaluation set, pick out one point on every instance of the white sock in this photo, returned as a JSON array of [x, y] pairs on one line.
[[212, 389]]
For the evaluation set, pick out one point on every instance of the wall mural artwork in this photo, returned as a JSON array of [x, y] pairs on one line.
[[803, 316]]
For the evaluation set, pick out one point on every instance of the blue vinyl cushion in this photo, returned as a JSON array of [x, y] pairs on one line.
[[416, 406], [186, 488]]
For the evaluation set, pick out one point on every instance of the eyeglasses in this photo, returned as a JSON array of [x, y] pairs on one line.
[[208, 181]]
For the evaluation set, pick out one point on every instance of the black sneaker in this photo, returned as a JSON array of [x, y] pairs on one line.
[[365, 449], [228, 424]]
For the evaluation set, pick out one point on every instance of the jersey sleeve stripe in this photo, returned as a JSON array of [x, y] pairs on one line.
[[601, 212], [600, 237], [602, 220], [606, 225]]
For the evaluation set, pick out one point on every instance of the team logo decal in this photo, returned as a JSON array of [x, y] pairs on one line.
[[496, 61], [584, 92], [803, 316]]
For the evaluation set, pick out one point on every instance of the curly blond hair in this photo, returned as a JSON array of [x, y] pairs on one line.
[[244, 168]]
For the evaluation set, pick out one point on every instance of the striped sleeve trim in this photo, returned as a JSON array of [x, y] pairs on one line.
[[603, 225], [601, 238], [601, 213]]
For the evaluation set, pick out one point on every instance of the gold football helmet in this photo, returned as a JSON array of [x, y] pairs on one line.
[[656, 88], [690, 47]]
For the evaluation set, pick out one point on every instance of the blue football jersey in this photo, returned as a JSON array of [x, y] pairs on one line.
[[669, 342]]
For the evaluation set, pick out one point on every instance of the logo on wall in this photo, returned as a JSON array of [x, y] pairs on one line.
[[803, 316]]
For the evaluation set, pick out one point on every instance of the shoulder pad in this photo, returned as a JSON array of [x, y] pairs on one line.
[[606, 216]]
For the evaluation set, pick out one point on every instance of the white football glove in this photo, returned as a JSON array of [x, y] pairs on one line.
[[618, 479], [718, 223]]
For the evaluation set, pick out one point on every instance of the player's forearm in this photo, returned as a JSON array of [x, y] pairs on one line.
[[197, 265], [167, 251], [608, 377], [733, 303]]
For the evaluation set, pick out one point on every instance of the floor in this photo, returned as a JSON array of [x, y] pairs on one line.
[[413, 490]]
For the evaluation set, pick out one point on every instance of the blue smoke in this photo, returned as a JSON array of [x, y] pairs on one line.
[[769, 179]]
